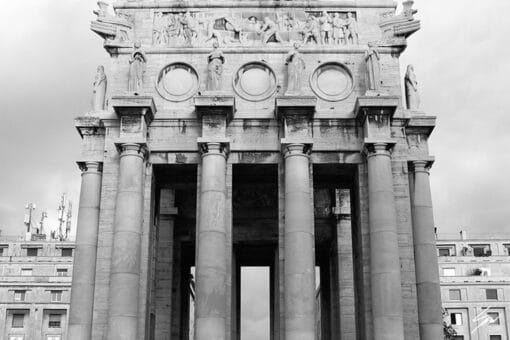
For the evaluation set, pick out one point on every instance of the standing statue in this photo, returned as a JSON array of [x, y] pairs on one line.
[[215, 68], [99, 90], [137, 65], [373, 63], [295, 69], [351, 25], [411, 86]]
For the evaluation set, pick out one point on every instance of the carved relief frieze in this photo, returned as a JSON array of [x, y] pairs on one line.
[[256, 27]]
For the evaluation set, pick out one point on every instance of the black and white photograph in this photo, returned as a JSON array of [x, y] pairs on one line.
[[254, 170]]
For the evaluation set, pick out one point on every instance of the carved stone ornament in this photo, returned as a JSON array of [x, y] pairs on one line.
[[280, 27], [397, 28], [115, 28], [177, 82], [255, 81], [332, 81]]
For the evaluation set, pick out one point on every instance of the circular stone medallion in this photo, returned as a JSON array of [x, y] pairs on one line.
[[332, 81], [255, 81], [177, 82]]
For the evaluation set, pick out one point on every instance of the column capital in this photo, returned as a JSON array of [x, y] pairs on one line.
[[90, 166], [381, 148], [296, 149], [132, 149], [89, 126], [214, 147], [421, 165]]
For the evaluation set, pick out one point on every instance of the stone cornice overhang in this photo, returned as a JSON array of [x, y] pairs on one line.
[[350, 4], [361, 49]]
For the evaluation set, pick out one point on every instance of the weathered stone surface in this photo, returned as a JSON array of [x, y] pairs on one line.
[[248, 101]]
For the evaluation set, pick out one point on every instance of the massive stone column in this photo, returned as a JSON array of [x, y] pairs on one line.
[[427, 276], [211, 263], [384, 249], [84, 268], [125, 267], [299, 272]]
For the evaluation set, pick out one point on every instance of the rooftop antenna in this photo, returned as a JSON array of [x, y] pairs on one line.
[[61, 215], [68, 219], [28, 217], [44, 215]]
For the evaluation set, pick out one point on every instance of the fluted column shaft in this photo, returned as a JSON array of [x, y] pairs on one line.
[[384, 249], [125, 265], [84, 267], [299, 241], [425, 255], [211, 264]]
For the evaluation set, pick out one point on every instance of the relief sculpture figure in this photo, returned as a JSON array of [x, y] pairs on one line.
[[295, 69], [411, 86], [373, 63], [215, 68], [351, 29], [137, 65], [325, 27], [311, 30], [99, 90], [270, 31], [338, 30]]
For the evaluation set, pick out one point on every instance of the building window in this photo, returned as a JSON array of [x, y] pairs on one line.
[[480, 250], [494, 337], [53, 337], [448, 271], [61, 271], [67, 252], [32, 251], [491, 294], [16, 337], [26, 271], [19, 295], [56, 296], [54, 321], [456, 319], [18, 320], [444, 251], [455, 295], [493, 318]]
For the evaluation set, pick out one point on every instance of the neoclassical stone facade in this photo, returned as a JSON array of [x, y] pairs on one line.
[[255, 133]]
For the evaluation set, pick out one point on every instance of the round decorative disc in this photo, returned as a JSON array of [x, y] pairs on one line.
[[332, 81], [255, 81], [177, 82]]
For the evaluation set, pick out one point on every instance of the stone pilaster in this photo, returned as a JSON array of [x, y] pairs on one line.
[[346, 308], [84, 268], [211, 263], [125, 269], [425, 254], [299, 272], [165, 263]]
